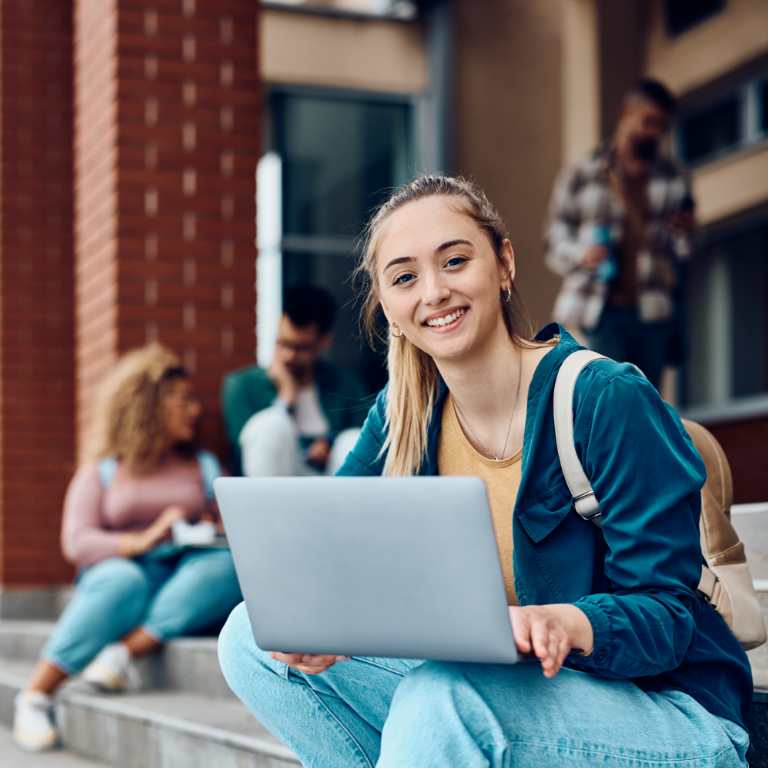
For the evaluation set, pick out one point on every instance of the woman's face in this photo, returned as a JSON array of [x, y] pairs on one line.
[[182, 410], [439, 278]]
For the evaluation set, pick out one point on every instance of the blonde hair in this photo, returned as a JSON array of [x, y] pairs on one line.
[[130, 421], [414, 381]]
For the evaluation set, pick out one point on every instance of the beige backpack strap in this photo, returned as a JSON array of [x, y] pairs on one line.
[[584, 499], [708, 586]]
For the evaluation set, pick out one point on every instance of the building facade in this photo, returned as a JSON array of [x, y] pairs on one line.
[[145, 143], [130, 134], [508, 94]]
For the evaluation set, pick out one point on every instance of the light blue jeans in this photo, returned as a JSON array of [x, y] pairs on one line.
[[396, 713], [168, 592]]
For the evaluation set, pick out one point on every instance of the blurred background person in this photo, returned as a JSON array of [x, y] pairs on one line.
[[620, 223], [135, 588], [302, 414]]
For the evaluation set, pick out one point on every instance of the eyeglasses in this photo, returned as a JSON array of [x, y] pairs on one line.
[[297, 348]]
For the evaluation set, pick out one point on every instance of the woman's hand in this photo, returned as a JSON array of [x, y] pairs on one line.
[[307, 663], [550, 632], [160, 530], [133, 544]]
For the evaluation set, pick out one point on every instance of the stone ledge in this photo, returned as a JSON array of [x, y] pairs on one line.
[[129, 731], [186, 664], [34, 604]]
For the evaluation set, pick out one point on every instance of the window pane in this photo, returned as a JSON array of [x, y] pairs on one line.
[[401, 9], [684, 14], [749, 286], [339, 158], [764, 107], [727, 312], [712, 130], [349, 349]]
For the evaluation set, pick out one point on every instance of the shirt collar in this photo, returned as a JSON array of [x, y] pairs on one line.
[[542, 382]]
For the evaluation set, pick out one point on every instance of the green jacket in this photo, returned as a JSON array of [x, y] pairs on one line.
[[250, 390], [636, 578]]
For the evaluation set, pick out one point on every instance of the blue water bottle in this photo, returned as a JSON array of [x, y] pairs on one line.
[[602, 235]]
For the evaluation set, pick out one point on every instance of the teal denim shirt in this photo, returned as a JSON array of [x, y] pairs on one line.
[[636, 578]]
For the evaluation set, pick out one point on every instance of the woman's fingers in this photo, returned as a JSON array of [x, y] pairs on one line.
[[553, 649], [538, 631], [551, 663], [540, 637], [307, 663]]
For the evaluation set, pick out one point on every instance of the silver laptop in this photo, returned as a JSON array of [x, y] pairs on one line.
[[358, 566]]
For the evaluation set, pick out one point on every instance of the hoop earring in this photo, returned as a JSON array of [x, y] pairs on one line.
[[509, 294], [392, 333]]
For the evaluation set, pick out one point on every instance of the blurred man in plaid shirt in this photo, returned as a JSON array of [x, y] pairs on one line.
[[620, 223]]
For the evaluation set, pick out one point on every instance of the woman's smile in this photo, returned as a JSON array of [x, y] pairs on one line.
[[447, 320]]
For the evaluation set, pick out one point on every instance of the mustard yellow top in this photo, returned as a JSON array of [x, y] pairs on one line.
[[457, 457]]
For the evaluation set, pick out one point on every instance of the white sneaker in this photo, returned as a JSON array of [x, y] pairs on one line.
[[113, 670], [33, 728]]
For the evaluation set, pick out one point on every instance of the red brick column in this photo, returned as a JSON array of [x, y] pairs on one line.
[[167, 137], [36, 298]]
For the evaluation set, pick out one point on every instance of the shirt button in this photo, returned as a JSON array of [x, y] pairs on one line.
[[601, 657]]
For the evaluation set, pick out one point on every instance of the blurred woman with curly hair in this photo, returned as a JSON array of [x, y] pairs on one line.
[[135, 589]]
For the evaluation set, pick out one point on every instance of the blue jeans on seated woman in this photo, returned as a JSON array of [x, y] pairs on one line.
[[168, 592], [395, 713]]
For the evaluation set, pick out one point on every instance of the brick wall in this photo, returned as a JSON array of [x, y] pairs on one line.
[[744, 443], [167, 137], [129, 134], [36, 288]]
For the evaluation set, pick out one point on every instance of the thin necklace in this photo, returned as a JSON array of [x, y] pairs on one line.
[[509, 428]]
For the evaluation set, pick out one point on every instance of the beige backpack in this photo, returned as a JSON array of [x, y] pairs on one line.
[[726, 584]]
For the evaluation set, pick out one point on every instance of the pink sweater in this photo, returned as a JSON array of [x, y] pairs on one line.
[[94, 517]]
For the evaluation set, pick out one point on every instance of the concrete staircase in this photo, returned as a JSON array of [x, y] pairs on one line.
[[186, 718]]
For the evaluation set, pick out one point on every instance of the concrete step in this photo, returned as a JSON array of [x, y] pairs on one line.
[[186, 664], [12, 757], [167, 729], [192, 665], [187, 693]]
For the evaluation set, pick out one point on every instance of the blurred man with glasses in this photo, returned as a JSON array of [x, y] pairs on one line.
[[301, 416]]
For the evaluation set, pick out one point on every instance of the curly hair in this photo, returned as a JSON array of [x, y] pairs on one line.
[[129, 423]]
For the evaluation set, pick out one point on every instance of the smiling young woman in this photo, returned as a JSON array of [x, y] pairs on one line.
[[626, 663], [447, 253]]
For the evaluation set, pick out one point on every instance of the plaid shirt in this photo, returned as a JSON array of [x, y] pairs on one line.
[[583, 198]]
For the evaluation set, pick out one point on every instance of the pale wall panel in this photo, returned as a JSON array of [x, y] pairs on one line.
[[332, 52], [711, 49]]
